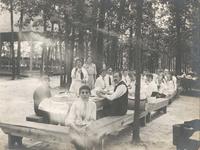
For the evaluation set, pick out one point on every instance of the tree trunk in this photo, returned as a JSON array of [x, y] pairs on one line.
[[81, 42], [42, 61], [100, 37], [136, 124], [19, 41], [70, 52], [94, 25], [178, 7], [44, 48], [12, 40], [31, 57], [131, 50]]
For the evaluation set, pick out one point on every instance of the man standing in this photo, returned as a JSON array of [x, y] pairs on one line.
[[118, 101]]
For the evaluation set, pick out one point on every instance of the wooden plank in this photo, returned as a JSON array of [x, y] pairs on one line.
[[157, 104], [43, 132], [108, 125], [61, 134]]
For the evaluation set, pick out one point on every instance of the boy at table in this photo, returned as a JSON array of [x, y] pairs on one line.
[[83, 111]]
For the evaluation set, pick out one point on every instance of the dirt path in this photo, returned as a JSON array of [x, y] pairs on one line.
[[16, 103]]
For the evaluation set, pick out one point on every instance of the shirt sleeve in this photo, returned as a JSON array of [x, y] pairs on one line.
[[121, 90]]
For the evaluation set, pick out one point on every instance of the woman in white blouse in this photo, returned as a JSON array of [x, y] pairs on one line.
[[91, 70], [79, 77]]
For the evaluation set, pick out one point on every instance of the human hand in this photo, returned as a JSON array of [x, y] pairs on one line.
[[99, 93]]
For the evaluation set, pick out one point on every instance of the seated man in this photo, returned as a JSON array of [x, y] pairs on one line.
[[118, 101]]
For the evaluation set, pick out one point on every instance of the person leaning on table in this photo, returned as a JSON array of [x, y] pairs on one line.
[[118, 100]]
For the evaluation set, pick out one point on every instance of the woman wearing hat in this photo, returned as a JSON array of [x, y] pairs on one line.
[[79, 76]]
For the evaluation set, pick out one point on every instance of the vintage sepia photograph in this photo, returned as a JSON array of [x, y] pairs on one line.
[[99, 74]]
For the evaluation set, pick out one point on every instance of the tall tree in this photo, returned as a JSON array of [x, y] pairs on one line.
[[19, 38], [12, 39], [136, 124]]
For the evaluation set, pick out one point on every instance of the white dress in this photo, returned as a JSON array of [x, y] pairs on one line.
[[77, 82], [91, 70]]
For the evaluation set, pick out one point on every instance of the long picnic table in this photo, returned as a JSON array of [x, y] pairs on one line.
[[94, 133], [58, 106]]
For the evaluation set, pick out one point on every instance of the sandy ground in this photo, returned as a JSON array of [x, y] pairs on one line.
[[16, 103]]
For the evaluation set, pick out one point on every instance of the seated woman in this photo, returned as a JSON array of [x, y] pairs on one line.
[[151, 85], [82, 111], [100, 84], [170, 85], [131, 88], [162, 87]]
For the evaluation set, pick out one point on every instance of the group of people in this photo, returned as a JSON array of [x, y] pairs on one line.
[[116, 87]]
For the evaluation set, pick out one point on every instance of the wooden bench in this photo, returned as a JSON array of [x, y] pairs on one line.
[[61, 134], [159, 105]]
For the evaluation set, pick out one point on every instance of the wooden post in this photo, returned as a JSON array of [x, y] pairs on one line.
[[136, 124], [12, 40], [19, 40], [31, 57]]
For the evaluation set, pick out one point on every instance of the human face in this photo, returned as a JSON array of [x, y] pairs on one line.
[[110, 71], [132, 78], [89, 60], [85, 94], [116, 78], [125, 73], [78, 64], [103, 74]]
